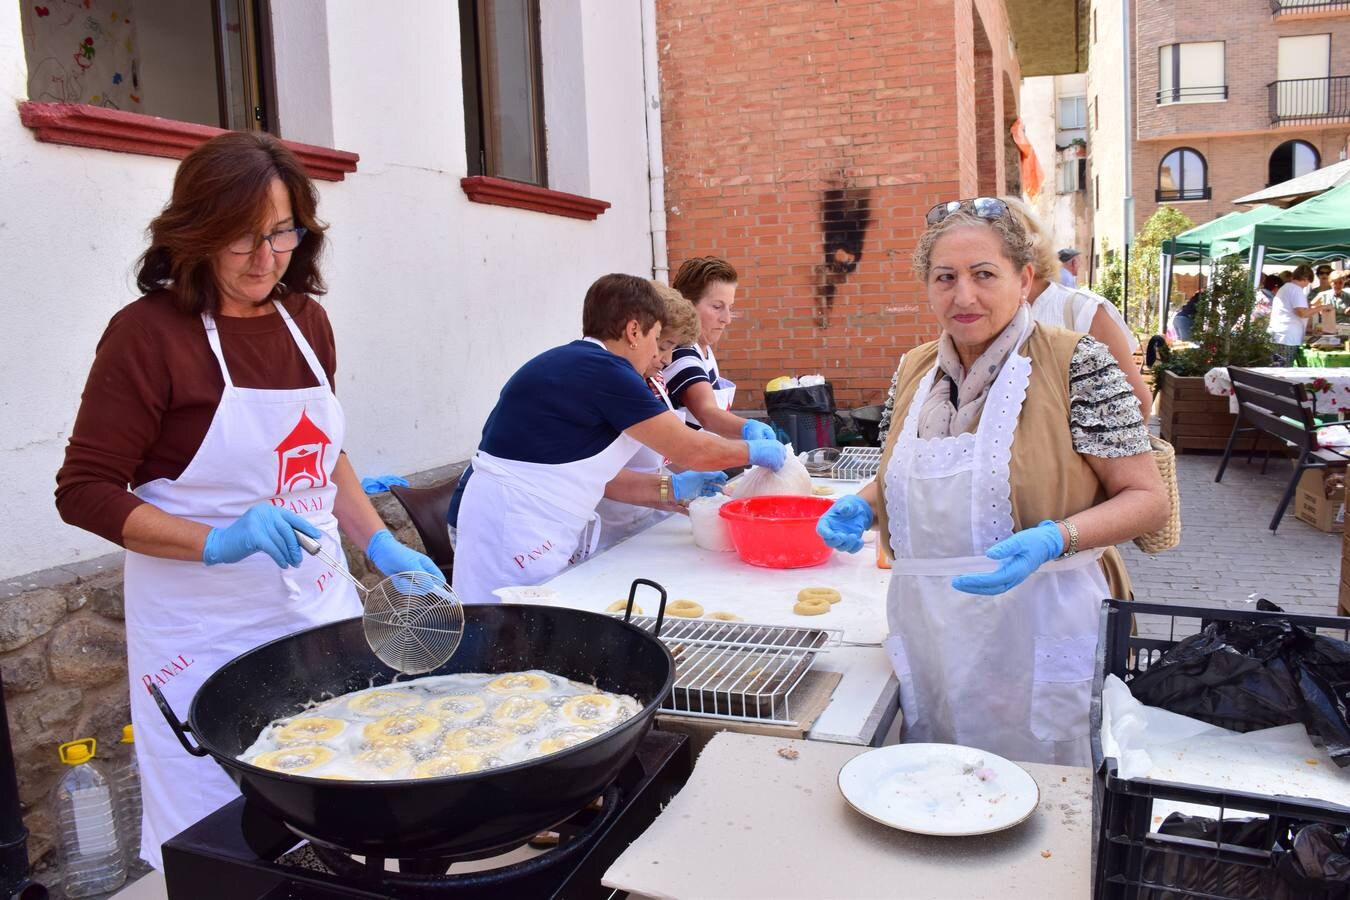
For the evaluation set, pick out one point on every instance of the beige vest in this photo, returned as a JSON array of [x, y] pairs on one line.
[[1050, 479]]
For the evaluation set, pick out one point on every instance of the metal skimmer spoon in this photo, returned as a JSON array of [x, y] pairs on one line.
[[412, 620]]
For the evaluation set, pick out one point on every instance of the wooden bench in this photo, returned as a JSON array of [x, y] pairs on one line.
[[1283, 410]]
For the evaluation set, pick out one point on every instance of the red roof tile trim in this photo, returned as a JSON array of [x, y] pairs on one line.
[[503, 192], [112, 129]]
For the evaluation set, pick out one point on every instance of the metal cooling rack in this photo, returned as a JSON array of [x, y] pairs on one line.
[[857, 463], [738, 670]]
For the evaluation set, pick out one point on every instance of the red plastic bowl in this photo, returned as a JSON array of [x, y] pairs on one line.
[[778, 532]]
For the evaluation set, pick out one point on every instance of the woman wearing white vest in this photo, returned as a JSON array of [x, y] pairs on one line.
[[212, 396], [1015, 456], [619, 521], [564, 428]]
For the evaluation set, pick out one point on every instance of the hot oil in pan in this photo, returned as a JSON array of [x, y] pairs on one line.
[[438, 726]]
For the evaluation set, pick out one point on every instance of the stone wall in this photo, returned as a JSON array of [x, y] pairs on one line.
[[63, 659]]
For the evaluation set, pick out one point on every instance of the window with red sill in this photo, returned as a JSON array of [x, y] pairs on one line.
[[504, 110], [155, 77], [205, 63]]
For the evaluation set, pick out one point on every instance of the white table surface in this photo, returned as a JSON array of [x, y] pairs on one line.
[[666, 554], [751, 823], [865, 700]]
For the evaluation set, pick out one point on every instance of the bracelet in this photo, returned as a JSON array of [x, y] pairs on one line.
[[663, 488], [1073, 538]]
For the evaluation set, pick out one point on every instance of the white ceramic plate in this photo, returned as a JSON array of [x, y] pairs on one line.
[[939, 789]]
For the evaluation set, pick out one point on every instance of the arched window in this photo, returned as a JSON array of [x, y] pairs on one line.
[[1182, 175], [1290, 160]]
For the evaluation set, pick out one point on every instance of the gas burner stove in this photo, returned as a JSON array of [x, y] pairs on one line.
[[238, 853]]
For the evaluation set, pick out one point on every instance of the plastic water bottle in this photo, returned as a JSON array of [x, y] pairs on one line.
[[126, 781], [90, 855]]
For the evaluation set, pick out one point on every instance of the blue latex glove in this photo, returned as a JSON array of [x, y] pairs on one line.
[[391, 557], [767, 453], [688, 485], [843, 524], [264, 528], [378, 484], [1019, 555], [757, 431]]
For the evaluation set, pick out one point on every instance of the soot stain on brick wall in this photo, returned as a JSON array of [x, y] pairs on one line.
[[846, 214]]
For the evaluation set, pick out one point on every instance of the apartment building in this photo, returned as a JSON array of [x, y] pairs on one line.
[[1228, 96], [1055, 121]]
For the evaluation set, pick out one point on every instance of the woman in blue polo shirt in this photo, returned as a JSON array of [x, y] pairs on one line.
[[558, 439]]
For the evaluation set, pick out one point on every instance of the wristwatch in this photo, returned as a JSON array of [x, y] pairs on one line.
[[1073, 538], [664, 489]]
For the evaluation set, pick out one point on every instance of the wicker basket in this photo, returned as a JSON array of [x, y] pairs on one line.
[[1169, 535]]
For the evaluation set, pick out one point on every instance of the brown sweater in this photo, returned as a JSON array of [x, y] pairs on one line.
[[153, 390]]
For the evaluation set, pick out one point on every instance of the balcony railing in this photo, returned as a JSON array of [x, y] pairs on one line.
[[1285, 7], [1194, 94], [1310, 99], [1162, 196]]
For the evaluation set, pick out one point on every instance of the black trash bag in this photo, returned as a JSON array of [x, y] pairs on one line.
[[1206, 876], [1319, 859], [803, 415], [1250, 675]]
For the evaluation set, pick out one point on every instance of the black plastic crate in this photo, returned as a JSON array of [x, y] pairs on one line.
[[1131, 860]]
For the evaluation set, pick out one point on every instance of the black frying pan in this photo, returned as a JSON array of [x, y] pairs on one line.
[[450, 816]]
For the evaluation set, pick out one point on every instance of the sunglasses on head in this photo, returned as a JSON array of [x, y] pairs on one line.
[[985, 207]]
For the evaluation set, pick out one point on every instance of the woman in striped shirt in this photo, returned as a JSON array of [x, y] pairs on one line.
[[692, 377]]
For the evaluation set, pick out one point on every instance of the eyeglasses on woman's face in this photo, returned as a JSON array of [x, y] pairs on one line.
[[985, 207], [282, 241]]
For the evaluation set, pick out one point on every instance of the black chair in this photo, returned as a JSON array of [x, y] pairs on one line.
[[1284, 411], [427, 508]]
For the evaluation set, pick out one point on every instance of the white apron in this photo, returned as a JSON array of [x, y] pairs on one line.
[[1010, 674], [724, 389], [184, 620], [521, 523], [620, 521]]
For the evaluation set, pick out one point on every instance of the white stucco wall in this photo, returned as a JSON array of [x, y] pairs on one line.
[[435, 301]]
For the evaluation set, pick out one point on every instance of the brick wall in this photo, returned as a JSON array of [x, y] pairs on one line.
[[1237, 165], [804, 142], [1251, 50]]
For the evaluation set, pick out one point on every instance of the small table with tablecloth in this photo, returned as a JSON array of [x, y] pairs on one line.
[[1329, 387]]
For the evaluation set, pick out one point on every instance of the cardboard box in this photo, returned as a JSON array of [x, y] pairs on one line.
[[1312, 505]]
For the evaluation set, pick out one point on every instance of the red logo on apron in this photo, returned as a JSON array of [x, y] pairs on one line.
[[300, 455]]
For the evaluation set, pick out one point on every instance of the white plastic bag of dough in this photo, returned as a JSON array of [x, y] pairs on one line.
[[792, 479], [710, 529]]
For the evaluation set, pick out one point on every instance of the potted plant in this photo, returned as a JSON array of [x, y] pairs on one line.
[[1226, 333]]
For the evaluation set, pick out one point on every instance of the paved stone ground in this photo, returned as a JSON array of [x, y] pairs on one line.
[[1227, 551]]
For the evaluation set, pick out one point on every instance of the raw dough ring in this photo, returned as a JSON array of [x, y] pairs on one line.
[[519, 683], [724, 617], [685, 609], [457, 762], [519, 711], [621, 606], [811, 606], [308, 729], [401, 730], [293, 760], [829, 595], [822, 490]]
